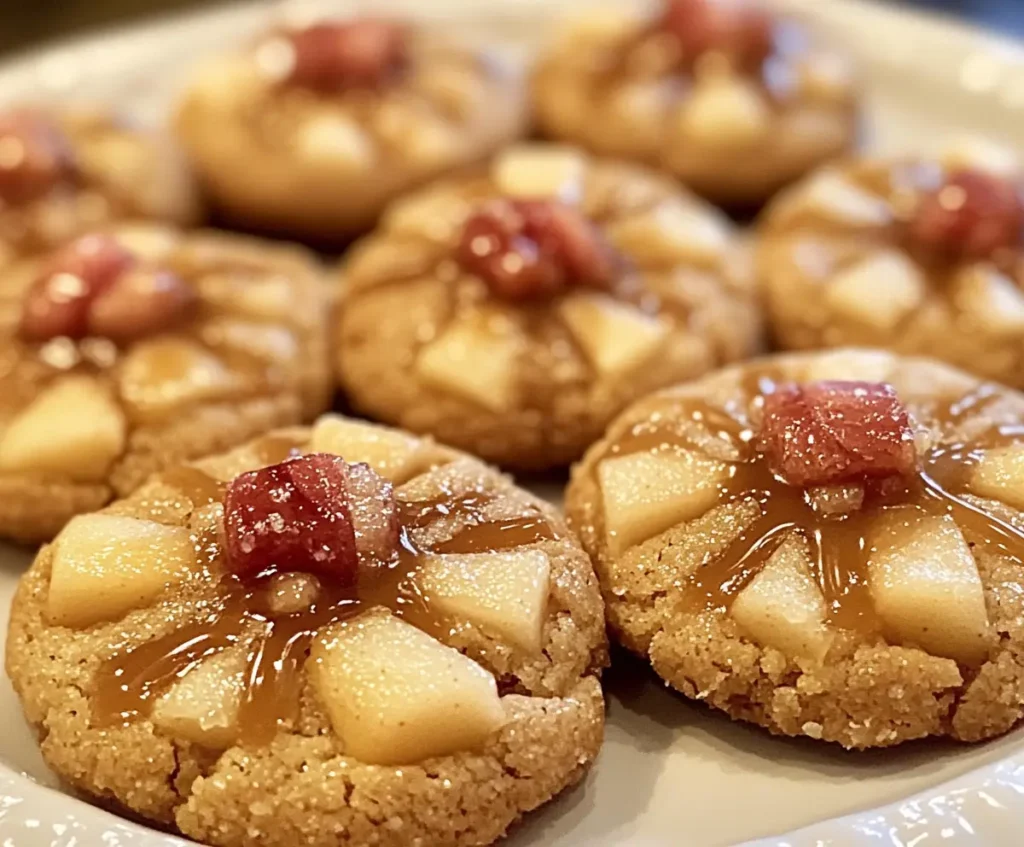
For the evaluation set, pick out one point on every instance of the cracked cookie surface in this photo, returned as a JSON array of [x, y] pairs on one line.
[[140, 346], [827, 545], [339, 118], [502, 646], [514, 311]]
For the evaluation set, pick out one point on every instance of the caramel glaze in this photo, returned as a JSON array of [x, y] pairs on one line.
[[128, 684], [839, 543]]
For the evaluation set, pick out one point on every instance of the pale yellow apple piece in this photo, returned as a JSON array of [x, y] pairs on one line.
[[166, 374], [615, 337], [868, 366], [999, 475], [925, 585], [783, 606], [395, 695], [646, 493], [878, 291], [434, 214], [74, 429], [671, 233], [203, 705], [540, 171], [106, 565], [503, 593], [477, 359], [334, 139], [839, 200], [725, 112], [990, 300], [390, 452]]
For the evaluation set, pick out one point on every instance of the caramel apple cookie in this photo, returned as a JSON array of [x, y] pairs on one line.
[[513, 312], [731, 99], [65, 172], [920, 256], [127, 350], [279, 646], [310, 132], [828, 545]]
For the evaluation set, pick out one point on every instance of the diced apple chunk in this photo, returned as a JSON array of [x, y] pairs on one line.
[[540, 171], [646, 493], [505, 593], [336, 140], [783, 607], [475, 358], [837, 199], [395, 695], [165, 374], [999, 475], [925, 585], [725, 112], [672, 233], [202, 707], [390, 452], [879, 291], [73, 429], [990, 299], [106, 565], [615, 337]]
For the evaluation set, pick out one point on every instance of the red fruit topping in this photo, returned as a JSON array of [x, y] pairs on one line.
[[293, 516], [972, 214], [374, 514], [357, 54], [34, 156], [59, 301], [741, 29], [315, 514], [831, 432], [526, 249], [141, 302]]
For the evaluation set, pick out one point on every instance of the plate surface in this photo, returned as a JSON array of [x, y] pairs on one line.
[[671, 772]]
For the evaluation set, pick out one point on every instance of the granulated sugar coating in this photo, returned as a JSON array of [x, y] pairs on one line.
[[97, 697], [868, 613]]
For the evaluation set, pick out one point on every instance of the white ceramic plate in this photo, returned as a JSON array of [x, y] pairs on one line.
[[671, 772]]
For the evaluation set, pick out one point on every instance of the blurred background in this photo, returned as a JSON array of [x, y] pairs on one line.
[[27, 22]]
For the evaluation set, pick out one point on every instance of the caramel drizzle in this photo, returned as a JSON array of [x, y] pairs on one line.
[[839, 544], [129, 683]]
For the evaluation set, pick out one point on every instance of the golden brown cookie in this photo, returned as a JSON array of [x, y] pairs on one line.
[[826, 544], [514, 311], [63, 172], [130, 349], [733, 100], [922, 256], [279, 646], [310, 132]]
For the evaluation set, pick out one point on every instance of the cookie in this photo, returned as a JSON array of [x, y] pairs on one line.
[[310, 132], [922, 256], [514, 311], [279, 646], [63, 172], [733, 100], [133, 348], [828, 545]]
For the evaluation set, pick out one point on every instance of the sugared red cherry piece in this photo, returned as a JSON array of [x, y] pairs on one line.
[[34, 156], [354, 54], [741, 29], [831, 432], [525, 249], [314, 514], [972, 214], [294, 516], [140, 302], [58, 303]]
